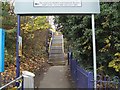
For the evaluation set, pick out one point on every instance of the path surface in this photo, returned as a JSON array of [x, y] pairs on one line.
[[56, 77]]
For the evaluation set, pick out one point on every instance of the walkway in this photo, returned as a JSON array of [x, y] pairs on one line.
[[56, 52], [57, 75]]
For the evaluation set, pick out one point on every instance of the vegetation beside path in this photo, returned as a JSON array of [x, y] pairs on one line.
[[78, 34], [34, 32]]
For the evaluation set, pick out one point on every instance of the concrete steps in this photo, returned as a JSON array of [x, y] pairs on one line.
[[56, 54], [56, 51], [56, 62]]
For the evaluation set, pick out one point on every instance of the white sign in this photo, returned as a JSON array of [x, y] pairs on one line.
[[57, 3], [55, 7]]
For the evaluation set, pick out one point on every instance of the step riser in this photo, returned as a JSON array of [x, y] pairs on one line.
[[56, 61], [56, 47], [59, 60], [57, 44], [55, 52], [52, 60], [60, 49], [61, 54], [58, 37], [56, 56], [57, 40]]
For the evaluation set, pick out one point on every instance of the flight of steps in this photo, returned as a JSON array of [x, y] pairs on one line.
[[56, 53]]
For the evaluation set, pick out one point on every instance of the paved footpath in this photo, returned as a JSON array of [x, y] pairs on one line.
[[56, 77]]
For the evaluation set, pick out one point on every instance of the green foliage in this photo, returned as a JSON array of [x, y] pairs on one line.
[[116, 62], [77, 30], [30, 27], [8, 17], [33, 23], [10, 45]]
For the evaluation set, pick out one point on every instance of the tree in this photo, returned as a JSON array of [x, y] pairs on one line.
[[77, 30], [8, 16]]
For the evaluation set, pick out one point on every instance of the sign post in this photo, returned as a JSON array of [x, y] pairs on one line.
[[94, 51], [2, 45], [17, 49]]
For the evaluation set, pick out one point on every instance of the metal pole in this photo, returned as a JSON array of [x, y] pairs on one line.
[[94, 51], [17, 48]]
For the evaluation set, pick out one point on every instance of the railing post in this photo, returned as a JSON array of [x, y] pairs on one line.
[[90, 81], [68, 58], [71, 57]]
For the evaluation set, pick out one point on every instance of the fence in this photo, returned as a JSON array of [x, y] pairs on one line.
[[6, 77], [105, 82], [12, 84], [25, 81], [84, 79]]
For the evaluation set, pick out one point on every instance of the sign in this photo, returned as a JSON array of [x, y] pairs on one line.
[[2, 45], [54, 7], [20, 45], [57, 3]]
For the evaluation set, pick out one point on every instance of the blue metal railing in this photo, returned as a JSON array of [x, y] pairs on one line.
[[84, 79]]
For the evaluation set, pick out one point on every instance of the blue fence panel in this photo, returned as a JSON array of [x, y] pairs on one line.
[[74, 69], [84, 79], [2, 43]]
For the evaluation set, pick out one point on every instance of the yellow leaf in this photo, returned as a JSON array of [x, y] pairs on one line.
[[107, 41], [117, 54]]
